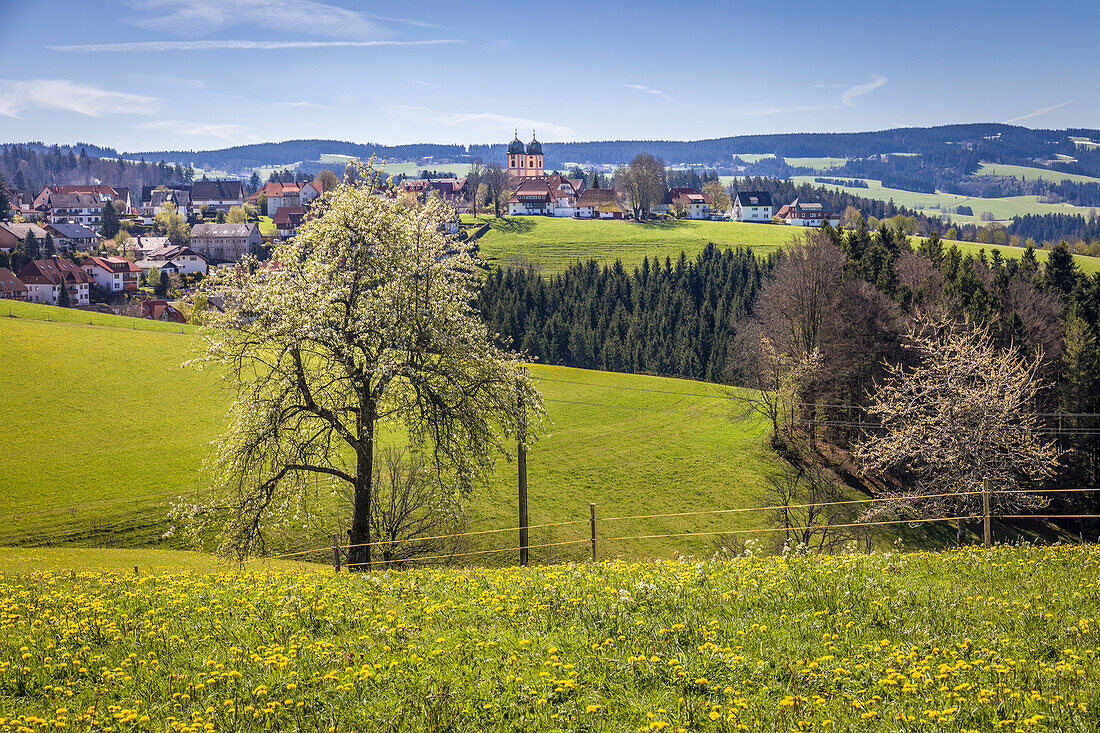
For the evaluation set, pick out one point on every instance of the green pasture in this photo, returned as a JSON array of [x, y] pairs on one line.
[[943, 204], [552, 244], [104, 428], [1030, 173]]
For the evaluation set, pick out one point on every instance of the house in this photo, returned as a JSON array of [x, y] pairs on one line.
[[532, 197], [600, 203], [142, 246], [161, 310], [290, 193], [113, 274], [71, 235], [12, 235], [174, 258], [158, 197], [225, 242], [100, 192], [23, 202], [694, 204], [288, 218], [449, 189], [11, 287], [77, 208], [219, 195], [802, 213], [160, 266], [751, 206], [45, 278]]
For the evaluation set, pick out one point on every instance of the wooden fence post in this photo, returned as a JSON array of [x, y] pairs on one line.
[[987, 530], [336, 552], [592, 512], [521, 465]]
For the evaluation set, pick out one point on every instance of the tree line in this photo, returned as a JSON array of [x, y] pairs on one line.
[[25, 168], [664, 317]]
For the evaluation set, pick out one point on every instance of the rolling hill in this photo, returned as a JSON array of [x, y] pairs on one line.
[[552, 244], [103, 427]]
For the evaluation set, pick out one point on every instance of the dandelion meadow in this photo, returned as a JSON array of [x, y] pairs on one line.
[[965, 640]]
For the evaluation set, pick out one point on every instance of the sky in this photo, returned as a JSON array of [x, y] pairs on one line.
[[142, 75]]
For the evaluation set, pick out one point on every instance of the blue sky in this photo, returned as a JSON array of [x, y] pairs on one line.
[[157, 74]]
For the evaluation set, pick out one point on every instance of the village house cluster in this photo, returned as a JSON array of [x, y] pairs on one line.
[[71, 217]]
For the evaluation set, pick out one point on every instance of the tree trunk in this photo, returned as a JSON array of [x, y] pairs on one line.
[[359, 536]]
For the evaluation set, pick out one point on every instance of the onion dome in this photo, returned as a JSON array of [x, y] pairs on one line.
[[516, 146], [534, 147]]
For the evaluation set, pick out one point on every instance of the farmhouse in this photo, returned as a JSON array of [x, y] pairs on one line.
[[691, 201], [225, 242], [99, 192], [600, 203], [279, 195], [801, 213], [11, 287], [183, 260], [751, 206], [45, 278]]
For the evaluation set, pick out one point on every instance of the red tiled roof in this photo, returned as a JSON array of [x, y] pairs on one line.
[[10, 284], [53, 272]]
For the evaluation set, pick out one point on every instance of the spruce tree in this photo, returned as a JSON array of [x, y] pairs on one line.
[[63, 298], [30, 246], [48, 248], [109, 225]]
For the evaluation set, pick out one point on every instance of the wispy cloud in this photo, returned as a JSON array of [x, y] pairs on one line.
[[859, 90], [1037, 112], [405, 21], [489, 122], [419, 83], [68, 96], [170, 81], [304, 105], [647, 90], [199, 17], [765, 109], [159, 46], [224, 131]]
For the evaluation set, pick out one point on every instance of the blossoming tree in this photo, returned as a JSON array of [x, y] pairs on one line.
[[962, 416], [364, 318]]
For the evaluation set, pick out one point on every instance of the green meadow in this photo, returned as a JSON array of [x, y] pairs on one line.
[[944, 204], [104, 428], [551, 244], [1029, 173]]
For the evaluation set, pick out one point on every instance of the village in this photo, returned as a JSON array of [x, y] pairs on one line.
[[122, 251]]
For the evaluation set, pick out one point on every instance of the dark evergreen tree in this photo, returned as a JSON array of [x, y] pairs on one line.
[[31, 248], [109, 224]]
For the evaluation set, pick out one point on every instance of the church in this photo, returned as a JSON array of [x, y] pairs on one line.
[[525, 163]]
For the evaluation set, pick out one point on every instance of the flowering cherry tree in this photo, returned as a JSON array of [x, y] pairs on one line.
[[363, 319], [962, 415]]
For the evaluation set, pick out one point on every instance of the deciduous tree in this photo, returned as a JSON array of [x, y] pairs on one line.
[[368, 320], [963, 415]]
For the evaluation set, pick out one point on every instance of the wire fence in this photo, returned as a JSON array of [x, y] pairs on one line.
[[601, 531]]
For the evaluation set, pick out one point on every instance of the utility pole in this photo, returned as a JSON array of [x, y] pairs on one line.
[[521, 465]]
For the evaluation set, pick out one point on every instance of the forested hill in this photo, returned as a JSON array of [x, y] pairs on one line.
[[956, 147], [246, 157]]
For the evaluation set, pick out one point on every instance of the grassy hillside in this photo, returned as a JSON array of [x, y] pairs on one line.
[[1028, 173], [970, 640], [943, 204], [102, 424], [28, 560], [552, 244]]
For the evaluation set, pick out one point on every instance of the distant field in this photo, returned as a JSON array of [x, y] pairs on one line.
[[267, 226], [1028, 173], [413, 169], [943, 204], [1087, 265], [821, 164], [107, 426], [27, 560], [552, 244]]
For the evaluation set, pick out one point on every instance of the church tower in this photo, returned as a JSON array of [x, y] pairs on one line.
[[525, 162]]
